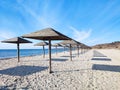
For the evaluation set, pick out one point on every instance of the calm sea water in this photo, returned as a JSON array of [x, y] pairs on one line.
[[8, 53]]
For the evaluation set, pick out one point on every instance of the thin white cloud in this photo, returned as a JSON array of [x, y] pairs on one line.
[[94, 41], [14, 46], [7, 46], [5, 34], [84, 36], [80, 35], [44, 19], [102, 38]]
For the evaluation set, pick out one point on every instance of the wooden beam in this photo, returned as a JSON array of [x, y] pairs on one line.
[[43, 51], [70, 52], [50, 71], [78, 49], [56, 50], [64, 49], [18, 52]]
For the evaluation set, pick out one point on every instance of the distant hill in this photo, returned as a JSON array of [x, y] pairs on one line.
[[113, 45]]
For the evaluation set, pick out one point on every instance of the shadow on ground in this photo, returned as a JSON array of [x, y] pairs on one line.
[[22, 70], [101, 59], [13, 88], [4, 88], [59, 59], [77, 70], [112, 68], [98, 54], [68, 56]]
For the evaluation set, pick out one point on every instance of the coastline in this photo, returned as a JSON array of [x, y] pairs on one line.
[[81, 73], [24, 52]]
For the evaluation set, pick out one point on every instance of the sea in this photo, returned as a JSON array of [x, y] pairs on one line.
[[10, 53]]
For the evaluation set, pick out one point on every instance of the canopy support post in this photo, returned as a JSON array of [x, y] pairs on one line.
[[70, 52], [18, 52], [50, 71], [43, 51]]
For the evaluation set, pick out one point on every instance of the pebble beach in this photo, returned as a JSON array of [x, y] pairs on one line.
[[93, 70]]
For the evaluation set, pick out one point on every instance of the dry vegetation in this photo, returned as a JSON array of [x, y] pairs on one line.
[[113, 45]]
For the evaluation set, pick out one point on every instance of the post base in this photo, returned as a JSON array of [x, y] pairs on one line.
[[51, 72]]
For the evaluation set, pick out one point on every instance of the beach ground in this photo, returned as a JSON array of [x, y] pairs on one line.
[[92, 70]]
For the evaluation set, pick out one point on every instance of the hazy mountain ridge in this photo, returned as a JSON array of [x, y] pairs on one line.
[[113, 45]]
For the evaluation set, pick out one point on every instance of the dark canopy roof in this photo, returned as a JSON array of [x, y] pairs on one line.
[[46, 34], [16, 40]]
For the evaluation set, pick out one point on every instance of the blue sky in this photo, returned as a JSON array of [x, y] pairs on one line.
[[88, 21]]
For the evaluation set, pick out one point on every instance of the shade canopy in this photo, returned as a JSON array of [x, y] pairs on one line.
[[47, 34], [84, 46], [57, 45], [72, 42], [41, 44], [16, 40]]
